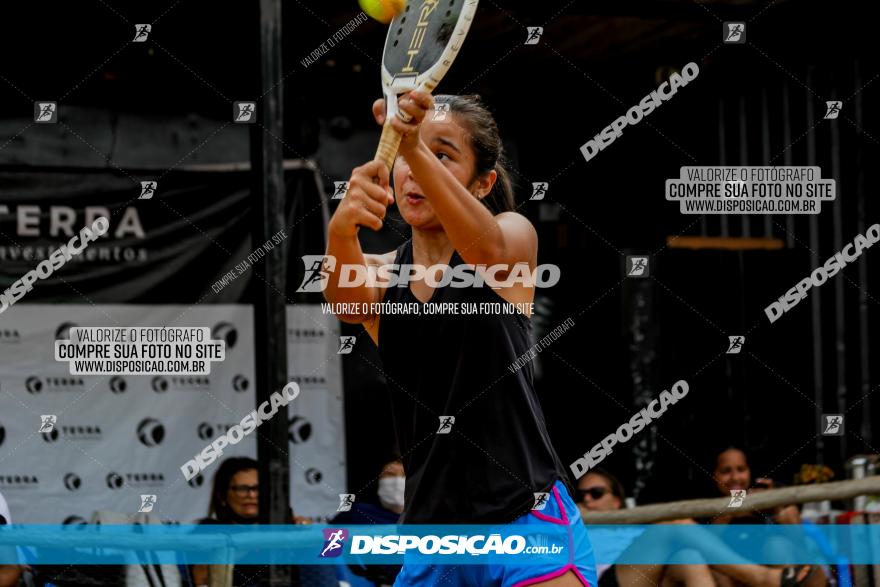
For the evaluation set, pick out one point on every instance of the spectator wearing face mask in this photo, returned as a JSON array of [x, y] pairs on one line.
[[391, 483], [390, 497]]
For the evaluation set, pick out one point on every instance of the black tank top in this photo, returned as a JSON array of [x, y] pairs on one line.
[[497, 454]]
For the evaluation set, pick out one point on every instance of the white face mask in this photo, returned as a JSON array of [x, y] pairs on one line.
[[391, 492]]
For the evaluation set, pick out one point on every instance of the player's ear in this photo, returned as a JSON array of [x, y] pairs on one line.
[[483, 185]]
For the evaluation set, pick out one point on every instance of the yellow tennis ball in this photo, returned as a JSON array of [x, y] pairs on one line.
[[382, 10]]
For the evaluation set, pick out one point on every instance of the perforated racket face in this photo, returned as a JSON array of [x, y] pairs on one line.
[[423, 40]]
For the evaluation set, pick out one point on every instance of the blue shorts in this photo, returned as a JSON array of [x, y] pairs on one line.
[[560, 510]]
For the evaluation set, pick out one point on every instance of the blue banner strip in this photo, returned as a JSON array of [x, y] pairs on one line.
[[441, 544]]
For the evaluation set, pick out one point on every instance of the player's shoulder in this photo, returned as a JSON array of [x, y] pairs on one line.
[[513, 217], [515, 221]]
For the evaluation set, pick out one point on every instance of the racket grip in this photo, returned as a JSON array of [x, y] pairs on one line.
[[388, 146]]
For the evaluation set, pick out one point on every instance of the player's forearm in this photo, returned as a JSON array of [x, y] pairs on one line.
[[471, 227], [347, 251]]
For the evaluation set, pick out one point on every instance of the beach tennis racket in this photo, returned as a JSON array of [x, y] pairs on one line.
[[421, 45]]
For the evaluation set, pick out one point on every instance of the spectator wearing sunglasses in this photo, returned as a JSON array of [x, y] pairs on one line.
[[599, 491]]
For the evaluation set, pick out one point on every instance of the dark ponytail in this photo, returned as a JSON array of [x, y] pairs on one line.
[[487, 146]]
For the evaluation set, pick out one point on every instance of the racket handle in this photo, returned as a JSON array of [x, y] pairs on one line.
[[388, 146]]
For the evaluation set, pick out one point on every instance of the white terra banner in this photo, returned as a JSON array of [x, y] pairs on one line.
[[116, 438]]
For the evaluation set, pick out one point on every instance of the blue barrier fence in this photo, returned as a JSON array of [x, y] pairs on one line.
[[444, 544]]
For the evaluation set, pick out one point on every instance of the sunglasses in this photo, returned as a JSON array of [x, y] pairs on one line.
[[242, 490], [593, 492]]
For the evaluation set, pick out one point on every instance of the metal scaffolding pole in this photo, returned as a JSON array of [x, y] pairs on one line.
[[862, 224], [815, 296], [270, 323]]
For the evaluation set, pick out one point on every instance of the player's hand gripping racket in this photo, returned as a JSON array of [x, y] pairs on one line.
[[421, 45]]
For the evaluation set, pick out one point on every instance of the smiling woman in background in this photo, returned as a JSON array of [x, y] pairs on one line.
[[732, 472]]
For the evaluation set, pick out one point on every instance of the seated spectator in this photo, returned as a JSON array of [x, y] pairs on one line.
[[732, 472], [235, 493], [235, 496], [599, 490], [390, 500], [390, 494]]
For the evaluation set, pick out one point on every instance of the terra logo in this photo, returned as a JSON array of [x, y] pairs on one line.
[[118, 384], [225, 331], [63, 331], [150, 432], [313, 476], [205, 431], [240, 383], [299, 430], [51, 436], [72, 482], [114, 480], [33, 385]]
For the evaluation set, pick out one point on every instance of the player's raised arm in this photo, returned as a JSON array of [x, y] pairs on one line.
[[365, 204], [481, 236]]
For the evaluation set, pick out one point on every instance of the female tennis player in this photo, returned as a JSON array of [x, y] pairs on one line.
[[485, 465]]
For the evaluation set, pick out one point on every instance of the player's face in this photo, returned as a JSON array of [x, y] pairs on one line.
[[592, 484], [732, 471], [241, 497], [450, 142]]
